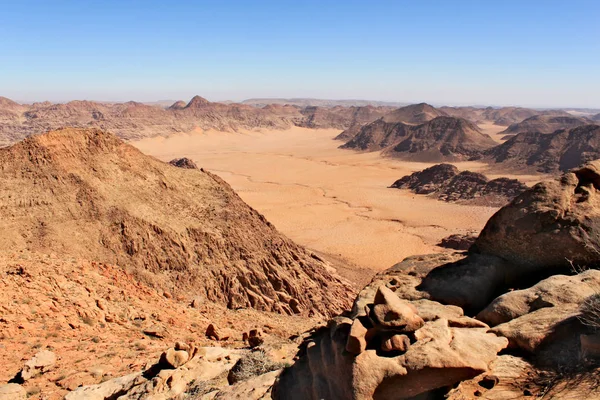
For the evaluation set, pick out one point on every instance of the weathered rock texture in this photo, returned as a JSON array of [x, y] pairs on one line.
[[445, 182], [554, 224], [548, 153], [545, 124], [458, 241], [441, 138], [133, 120], [85, 193], [407, 353], [183, 163]]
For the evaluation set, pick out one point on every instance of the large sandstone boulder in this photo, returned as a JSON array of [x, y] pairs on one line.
[[12, 391], [161, 382], [549, 226], [400, 360], [42, 362], [554, 291]]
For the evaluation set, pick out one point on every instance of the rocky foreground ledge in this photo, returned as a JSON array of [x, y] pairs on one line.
[[517, 316]]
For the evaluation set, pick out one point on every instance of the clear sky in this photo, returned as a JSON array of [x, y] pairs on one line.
[[530, 53]]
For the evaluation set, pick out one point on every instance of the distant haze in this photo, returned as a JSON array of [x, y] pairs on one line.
[[531, 54]]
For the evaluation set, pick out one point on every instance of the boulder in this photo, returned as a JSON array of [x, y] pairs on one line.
[[470, 283], [257, 388], [173, 358], [42, 362], [12, 391], [549, 226], [255, 338], [440, 356], [213, 332], [528, 332], [207, 364], [551, 292], [390, 312], [395, 343], [458, 241], [357, 342], [508, 378], [183, 163]]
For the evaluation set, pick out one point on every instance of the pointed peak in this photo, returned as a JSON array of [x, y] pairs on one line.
[[197, 101]]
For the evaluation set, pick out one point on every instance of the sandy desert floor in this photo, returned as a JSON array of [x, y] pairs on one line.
[[336, 202]]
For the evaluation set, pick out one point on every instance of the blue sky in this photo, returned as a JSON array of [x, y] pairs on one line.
[[531, 53]]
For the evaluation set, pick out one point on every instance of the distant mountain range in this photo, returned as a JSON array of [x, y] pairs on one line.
[[545, 140]]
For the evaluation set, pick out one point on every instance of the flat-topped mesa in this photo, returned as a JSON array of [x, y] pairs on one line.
[[85, 193]]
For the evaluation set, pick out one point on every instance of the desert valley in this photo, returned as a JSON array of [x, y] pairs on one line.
[[298, 249]]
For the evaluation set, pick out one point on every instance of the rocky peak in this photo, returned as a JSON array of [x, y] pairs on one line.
[[197, 102]]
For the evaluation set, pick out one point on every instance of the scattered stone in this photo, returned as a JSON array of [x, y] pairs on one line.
[[357, 342], [458, 242], [12, 391], [156, 331], [41, 363], [214, 333], [390, 312], [255, 338], [182, 346], [173, 358], [590, 346], [183, 163], [196, 302], [396, 343]]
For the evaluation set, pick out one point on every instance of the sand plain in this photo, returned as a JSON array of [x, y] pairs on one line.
[[333, 201]]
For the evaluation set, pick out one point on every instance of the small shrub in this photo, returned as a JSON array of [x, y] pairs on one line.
[[251, 365], [590, 312]]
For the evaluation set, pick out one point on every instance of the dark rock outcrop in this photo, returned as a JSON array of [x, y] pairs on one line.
[[548, 153], [445, 182], [458, 241], [553, 224], [440, 138], [183, 163]]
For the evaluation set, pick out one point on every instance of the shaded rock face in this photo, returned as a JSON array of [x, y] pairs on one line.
[[549, 226], [545, 124], [447, 183], [85, 193], [183, 163], [549, 153], [411, 350]]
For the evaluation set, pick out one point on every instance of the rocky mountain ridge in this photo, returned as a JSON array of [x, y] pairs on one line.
[[441, 138], [85, 193], [544, 124]]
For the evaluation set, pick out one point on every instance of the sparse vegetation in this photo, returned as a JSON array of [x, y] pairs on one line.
[[253, 364], [590, 312]]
